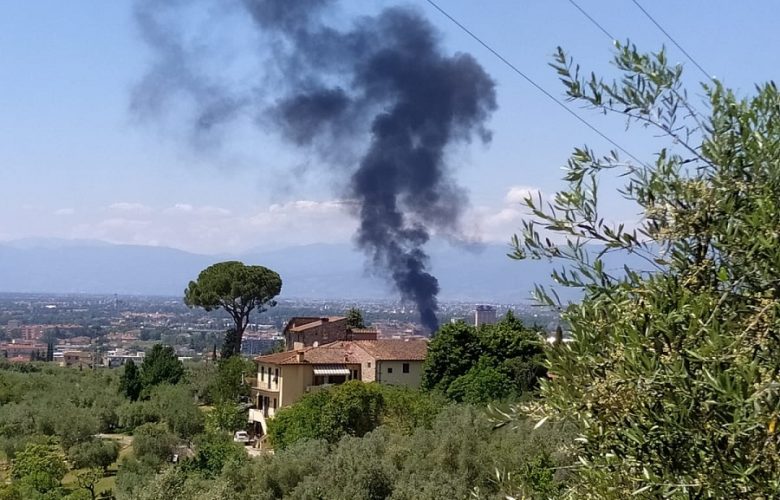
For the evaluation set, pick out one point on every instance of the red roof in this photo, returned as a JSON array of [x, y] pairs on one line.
[[395, 349], [300, 324], [343, 352]]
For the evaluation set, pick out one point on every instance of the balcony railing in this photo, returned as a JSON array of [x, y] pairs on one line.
[[258, 415], [263, 386]]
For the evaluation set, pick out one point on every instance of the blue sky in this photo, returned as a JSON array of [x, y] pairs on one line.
[[74, 163]]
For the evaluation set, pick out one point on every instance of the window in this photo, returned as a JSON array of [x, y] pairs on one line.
[[260, 401], [389, 369], [276, 376], [354, 374], [274, 403], [406, 368], [262, 373], [369, 364]]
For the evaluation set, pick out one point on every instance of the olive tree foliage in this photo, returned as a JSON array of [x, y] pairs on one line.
[[460, 455], [39, 466], [236, 288], [672, 374]]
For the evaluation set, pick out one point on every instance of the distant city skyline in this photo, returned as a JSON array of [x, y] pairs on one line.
[[75, 164]]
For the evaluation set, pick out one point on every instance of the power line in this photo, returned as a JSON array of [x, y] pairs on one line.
[[533, 83], [693, 111], [599, 26], [706, 74]]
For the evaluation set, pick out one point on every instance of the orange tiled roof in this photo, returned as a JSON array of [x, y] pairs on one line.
[[363, 330], [313, 324], [395, 349], [343, 352]]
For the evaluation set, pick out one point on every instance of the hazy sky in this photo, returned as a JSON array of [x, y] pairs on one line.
[[75, 162]]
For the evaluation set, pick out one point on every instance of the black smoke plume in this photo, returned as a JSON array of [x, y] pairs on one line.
[[382, 85]]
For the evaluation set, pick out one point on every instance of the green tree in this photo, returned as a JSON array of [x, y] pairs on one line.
[[355, 318], [226, 417], [201, 376], [353, 408], [175, 406], [87, 479], [232, 380], [130, 382], [671, 377], [72, 424], [39, 466], [482, 384], [479, 365], [236, 288], [214, 451], [451, 353], [93, 453], [160, 366], [153, 443], [231, 346]]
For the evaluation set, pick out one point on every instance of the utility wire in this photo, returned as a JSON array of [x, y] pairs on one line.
[[693, 111], [596, 23], [706, 74], [533, 83]]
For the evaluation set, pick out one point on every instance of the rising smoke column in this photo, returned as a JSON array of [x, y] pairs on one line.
[[384, 81]]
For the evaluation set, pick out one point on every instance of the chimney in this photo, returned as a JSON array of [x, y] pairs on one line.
[[297, 345], [299, 356]]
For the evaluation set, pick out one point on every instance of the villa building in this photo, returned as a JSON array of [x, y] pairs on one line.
[[283, 378], [304, 331]]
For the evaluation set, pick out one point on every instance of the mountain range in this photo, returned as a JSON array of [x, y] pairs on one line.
[[323, 271]]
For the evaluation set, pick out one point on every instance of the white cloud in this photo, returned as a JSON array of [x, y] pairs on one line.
[[205, 210], [181, 207], [124, 206], [303, 221], [498, 224], [213, 229], [65, 211], [209, 210], [311, 206], [517, 194]]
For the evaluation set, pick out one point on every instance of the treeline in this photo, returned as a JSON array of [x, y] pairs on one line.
[[51, 419], [460, 455]]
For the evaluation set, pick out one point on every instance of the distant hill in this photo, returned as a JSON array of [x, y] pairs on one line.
[[327, 271]]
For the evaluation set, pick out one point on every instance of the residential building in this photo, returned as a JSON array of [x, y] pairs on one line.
[[22, 349], [118, 357], [484, 315], [283, 378], [80, 359], [304, 331]]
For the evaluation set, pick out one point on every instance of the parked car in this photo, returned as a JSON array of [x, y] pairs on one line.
[[241, 437]]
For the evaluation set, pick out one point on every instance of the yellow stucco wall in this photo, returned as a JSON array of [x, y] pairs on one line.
[[262, 381], [398, 377], [296, 379]]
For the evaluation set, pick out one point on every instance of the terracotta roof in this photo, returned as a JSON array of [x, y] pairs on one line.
[[342, 352], [315, 322], [395, 349], [363, 330], [278, 358]]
